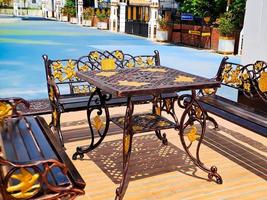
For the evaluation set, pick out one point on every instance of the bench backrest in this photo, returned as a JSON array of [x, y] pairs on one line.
[[63, 72], [250, 79]]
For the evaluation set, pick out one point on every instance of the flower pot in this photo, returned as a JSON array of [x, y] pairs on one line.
[[87, 22], [162, 36], [226, 45], [64, 18], [102, 25], [73, 20]]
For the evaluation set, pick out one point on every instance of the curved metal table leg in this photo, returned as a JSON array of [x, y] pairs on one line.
[[97, 102], [127, 147], [194, 114]]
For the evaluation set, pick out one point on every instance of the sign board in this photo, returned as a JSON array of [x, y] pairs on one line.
[[187, 16], [139, 2]]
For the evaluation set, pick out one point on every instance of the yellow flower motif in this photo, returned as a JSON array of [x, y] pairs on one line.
[[76, 90], [258, 65], [70, 73], [228, 67], [132, 83], [51, 93], [85, 89], [126, 143], [84, 68], [209, 91], [26, 187], [70, 64], [54, 114], [58, 75], [225, 77], [57, 66], [150, 61], [94, 55], [118, 55], [246, 87], [263, 82], [5, 110], [139, 61], [137, 128], [168, 104], [163, 123], [184, 79], [106, 74], [108, 64], [192, 134], [198, 112], [158, 110], [234, 78], [129, 65], [245, 76], [153, 70], [97, 123]]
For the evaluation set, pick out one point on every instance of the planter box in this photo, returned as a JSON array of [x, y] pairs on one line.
[[102, 25], [226, 45], [73, 20], [64, 18], [162, 36], [87, 22]]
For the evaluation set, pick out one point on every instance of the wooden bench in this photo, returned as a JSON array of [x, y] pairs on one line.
[[33, 165], [67, 93], [251, 82]]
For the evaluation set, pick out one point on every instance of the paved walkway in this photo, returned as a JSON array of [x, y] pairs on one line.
[[23, 42]]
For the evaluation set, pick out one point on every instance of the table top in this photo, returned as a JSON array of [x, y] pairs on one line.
[[145, 81]]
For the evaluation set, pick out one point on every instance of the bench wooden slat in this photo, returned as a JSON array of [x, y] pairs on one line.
[[47, 151], [236, 113], [72, 171]]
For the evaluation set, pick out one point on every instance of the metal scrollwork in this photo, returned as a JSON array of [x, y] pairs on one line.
[[193, 119], [127, 147], [98, 127], [27, 180]]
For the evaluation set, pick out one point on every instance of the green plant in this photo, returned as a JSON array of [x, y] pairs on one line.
[[237, 9], [101, 15], [163, 24], [88, 13], [226, 24]]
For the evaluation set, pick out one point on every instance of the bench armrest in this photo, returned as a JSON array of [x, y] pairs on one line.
[[9, 106], [38, 170]]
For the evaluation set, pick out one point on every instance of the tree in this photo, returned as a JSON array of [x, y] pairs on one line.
[[237, 9], [201, 7]]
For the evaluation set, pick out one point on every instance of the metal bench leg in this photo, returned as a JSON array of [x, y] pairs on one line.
[[127, 147], [156, 109], [56, 124], [194, 115], [216, 126], [97, 102]]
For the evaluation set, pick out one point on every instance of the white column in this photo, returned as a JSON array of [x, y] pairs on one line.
[[152, 24], [80, 11], [96, 3], [255, 32], [113, 20], [58, 7], [44, 9], [122, 16], [15, 8]]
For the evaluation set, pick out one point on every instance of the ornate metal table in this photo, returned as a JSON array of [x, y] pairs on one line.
[[156, 81]]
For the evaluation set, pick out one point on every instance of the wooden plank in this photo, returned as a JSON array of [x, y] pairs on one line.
[[47, 151], [74, 174]]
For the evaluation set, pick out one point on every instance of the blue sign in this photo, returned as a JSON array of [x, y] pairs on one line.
[[187, 16]]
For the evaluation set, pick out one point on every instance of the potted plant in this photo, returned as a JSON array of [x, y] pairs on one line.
[[72, 14], [227, 37], [162, 30], [102, 17], [88, 14], [64, 14]]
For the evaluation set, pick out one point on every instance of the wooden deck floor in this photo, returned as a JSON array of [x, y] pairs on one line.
[[165, 172]]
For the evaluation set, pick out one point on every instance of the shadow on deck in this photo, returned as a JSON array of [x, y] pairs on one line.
[[150, 157]]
